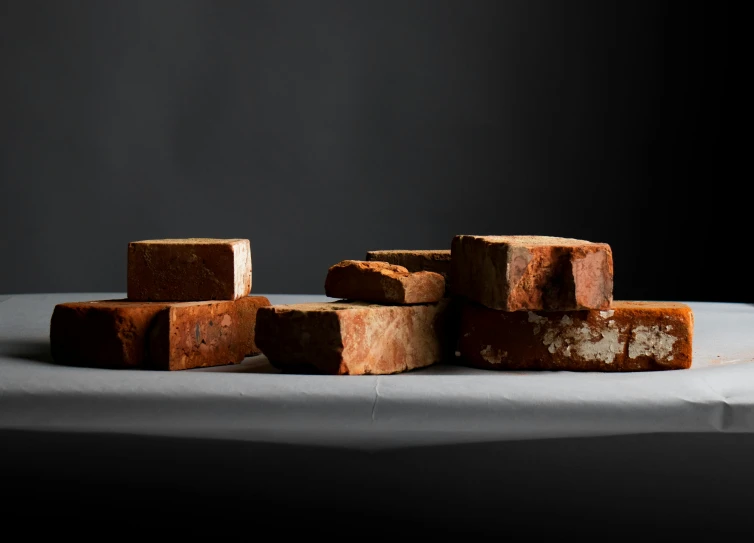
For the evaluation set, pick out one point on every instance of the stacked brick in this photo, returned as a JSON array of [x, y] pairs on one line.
[[388, 320], [187, 306], [491, 302], [545, 303]]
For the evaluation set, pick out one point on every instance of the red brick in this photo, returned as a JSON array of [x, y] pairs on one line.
[[514, 273], [193, 269], [437, 261], [355, 338], [630, 336], [383, 283], [120, 334], [199, 334], [103, 333]]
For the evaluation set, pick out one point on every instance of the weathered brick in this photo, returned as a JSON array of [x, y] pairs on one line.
[[125, 334], [383, 283], [437, 261], [630, 336], [513, 273], [193, 269], [103, 333], [198, 334], [354, 338]]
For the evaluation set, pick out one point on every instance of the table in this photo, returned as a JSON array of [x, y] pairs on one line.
[[467, 442]]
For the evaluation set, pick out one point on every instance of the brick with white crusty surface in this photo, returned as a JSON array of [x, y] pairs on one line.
[[382, 283], [355, 338], [514, 273], [630, 336], [193, 269]]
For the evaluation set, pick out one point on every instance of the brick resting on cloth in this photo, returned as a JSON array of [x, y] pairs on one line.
[[630, 336], [355, 338], [120, 334]]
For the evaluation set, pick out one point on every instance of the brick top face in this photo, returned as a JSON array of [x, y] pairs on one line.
[[533, 241], [190, 241], [374, 266], [114, 304], [660, 306], [326, 307], [439, 253]]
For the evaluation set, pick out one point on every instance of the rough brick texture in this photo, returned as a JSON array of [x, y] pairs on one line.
[[120, 334], [103, 333], [630, 336], [354, 338], [200, 334], [383, 283], [513, 273], [437, 261], [194, 269]]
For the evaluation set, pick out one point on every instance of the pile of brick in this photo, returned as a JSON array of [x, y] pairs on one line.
[[536, 302], [188, 306], [493, 302], [391, 319]]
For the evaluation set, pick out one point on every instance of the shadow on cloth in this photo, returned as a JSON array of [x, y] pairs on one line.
[[38, 350], [33, 350]]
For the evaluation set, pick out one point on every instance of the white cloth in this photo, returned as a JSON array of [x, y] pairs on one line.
[[436, 405]]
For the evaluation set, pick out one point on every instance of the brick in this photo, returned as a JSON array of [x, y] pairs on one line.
[[189, 335], [120, 334], [193, 269], [103, 333], [383, 283], [630, 336], [437, 261], [514, 273], [355, 338]]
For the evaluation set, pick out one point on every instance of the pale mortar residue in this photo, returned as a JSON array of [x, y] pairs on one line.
[[533, 317], [584, 341], [607, 314], [489, 355], [538, 320], [650, 341]]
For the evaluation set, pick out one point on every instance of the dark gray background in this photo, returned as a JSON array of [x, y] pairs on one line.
[[320, 130]]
